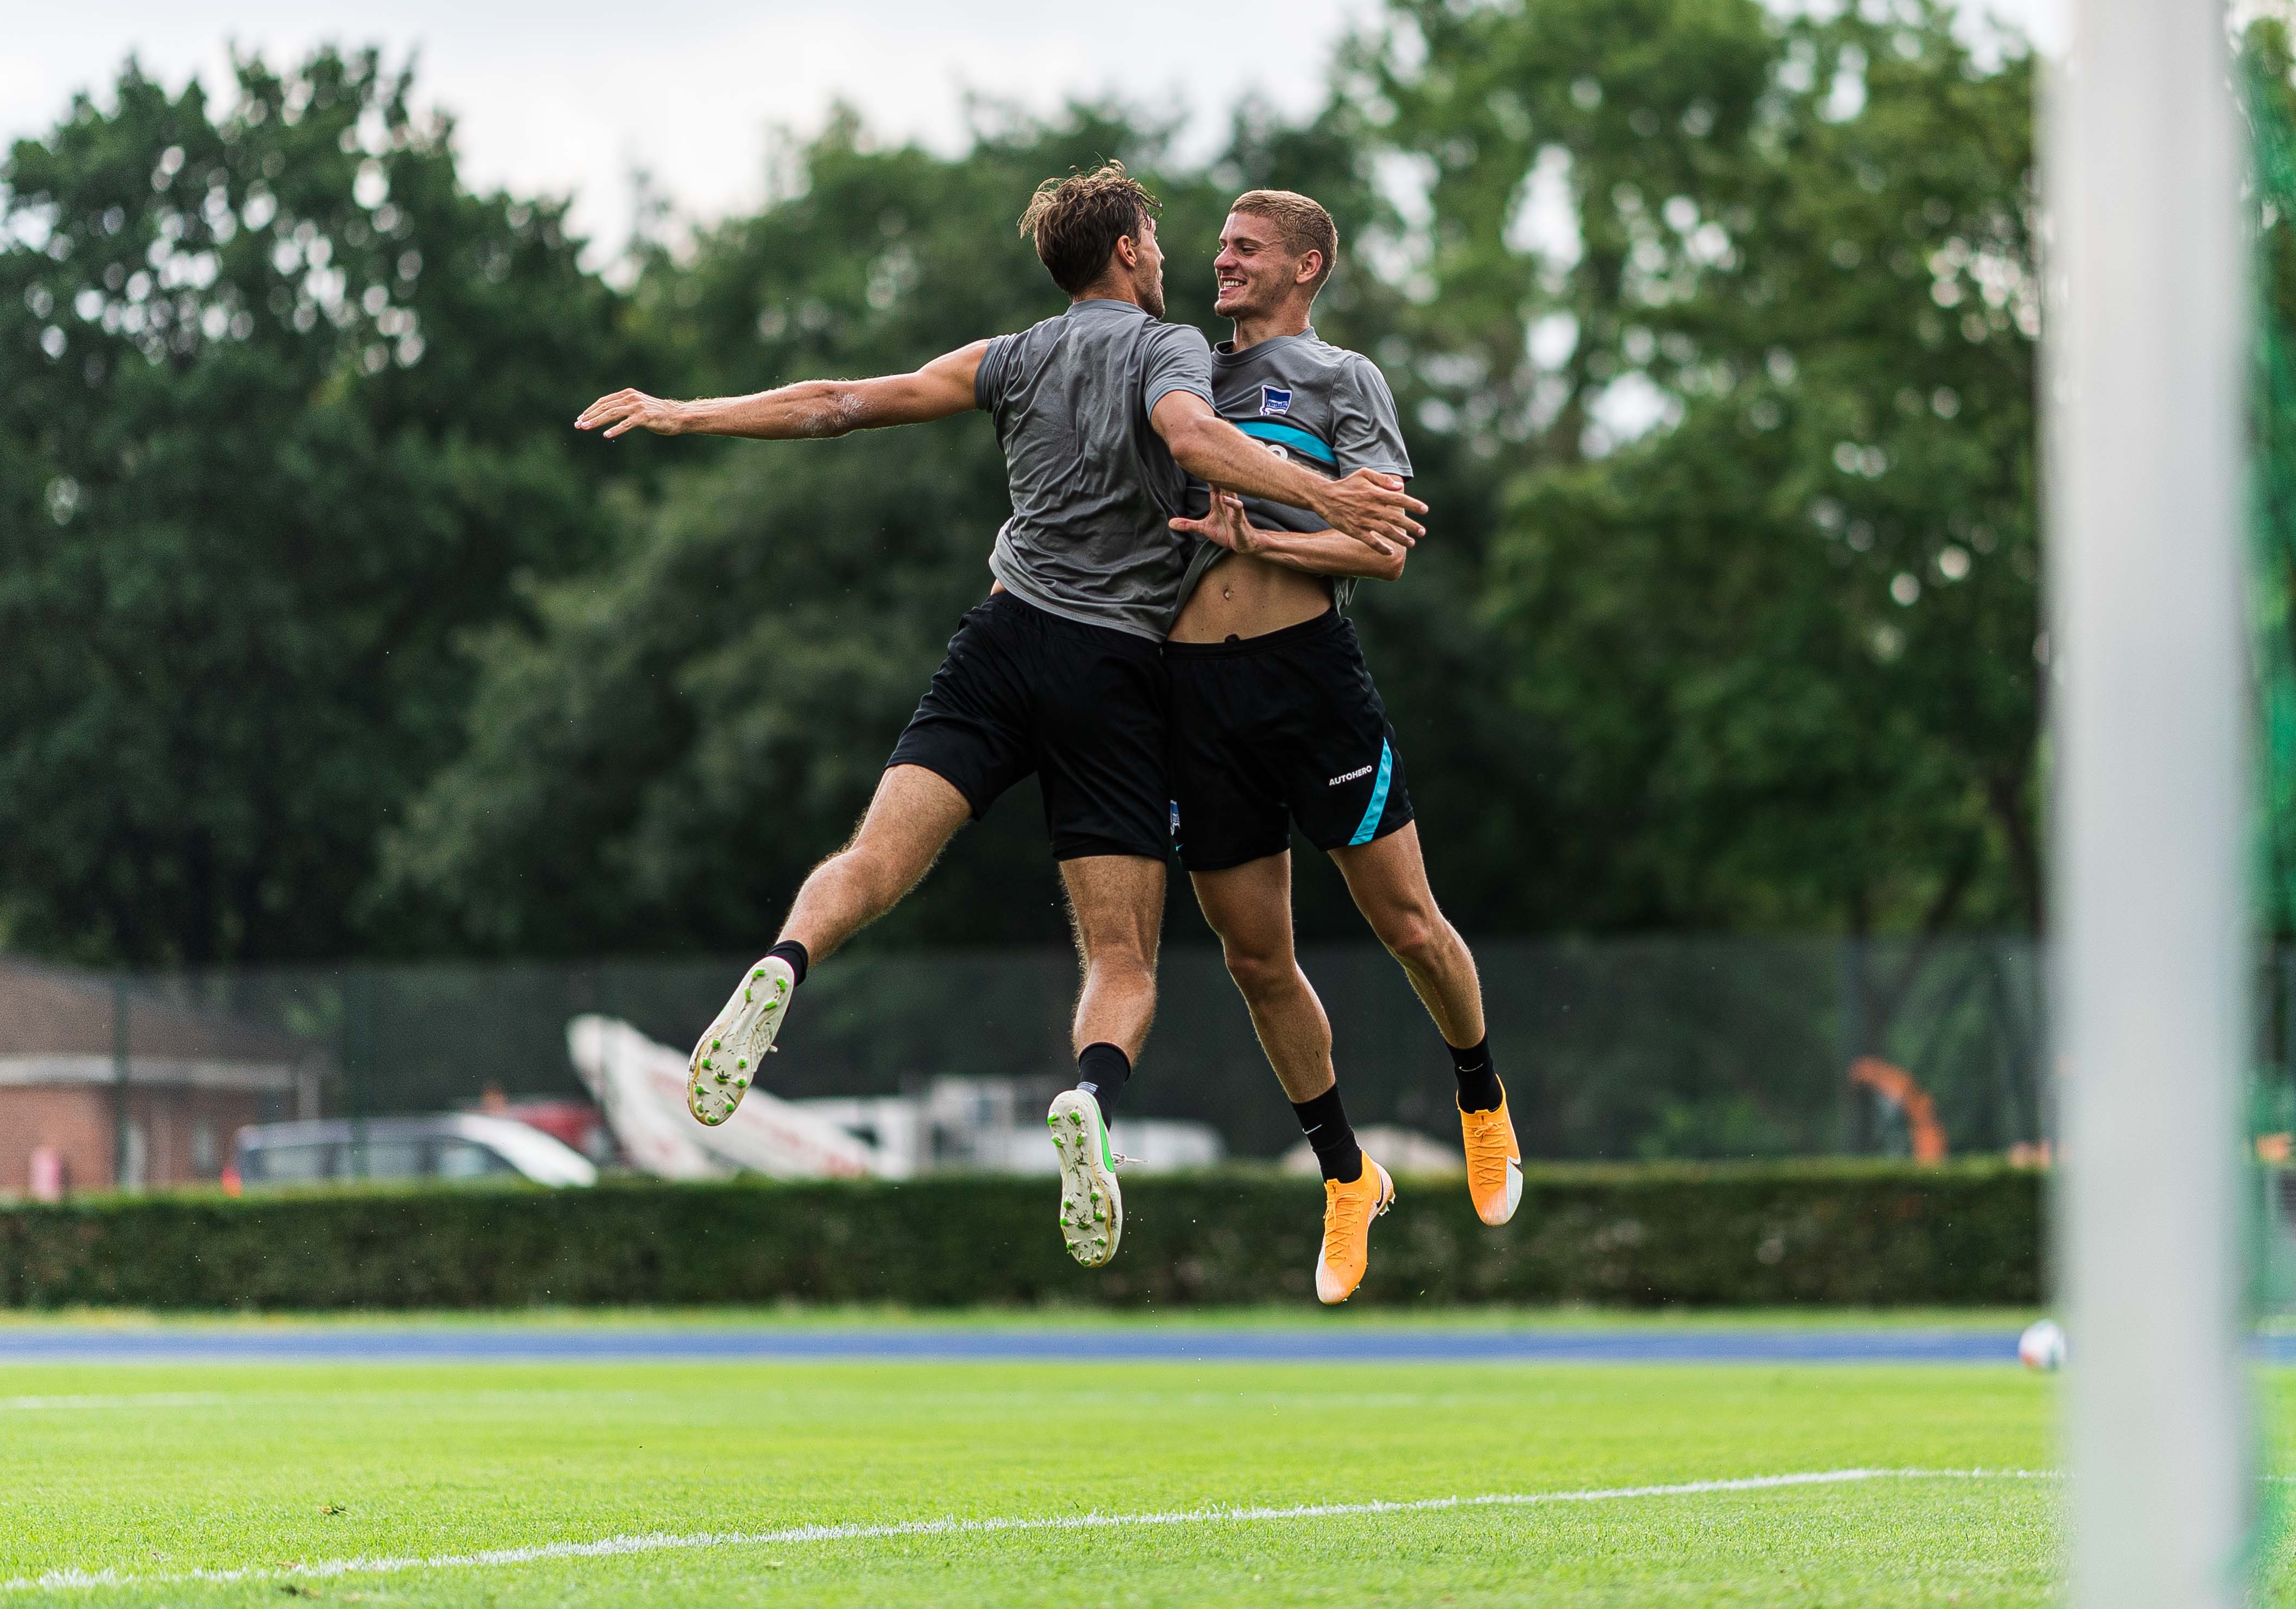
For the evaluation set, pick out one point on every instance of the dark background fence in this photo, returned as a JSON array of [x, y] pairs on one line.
[[1614, 1049]]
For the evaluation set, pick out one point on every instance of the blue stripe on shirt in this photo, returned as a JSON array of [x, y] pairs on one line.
[[1289, 436]]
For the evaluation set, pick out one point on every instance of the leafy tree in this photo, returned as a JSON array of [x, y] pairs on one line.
[[1781, 647], [1713, 330], [282, 411]]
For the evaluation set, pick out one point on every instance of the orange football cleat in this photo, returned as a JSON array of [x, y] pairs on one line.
[[1348, 1212], [1493, 1161]]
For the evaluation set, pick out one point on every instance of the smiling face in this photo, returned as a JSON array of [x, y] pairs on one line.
[[1255, 273]]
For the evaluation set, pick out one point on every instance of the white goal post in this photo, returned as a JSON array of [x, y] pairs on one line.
[[2147, 363]]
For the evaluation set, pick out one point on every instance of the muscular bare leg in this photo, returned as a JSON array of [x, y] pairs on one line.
[[1116, 902], [1116, 905], [1388, 880], [910, 821], [1249, 907]]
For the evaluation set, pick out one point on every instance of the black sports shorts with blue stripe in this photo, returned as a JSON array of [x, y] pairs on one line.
[[1267, 731]]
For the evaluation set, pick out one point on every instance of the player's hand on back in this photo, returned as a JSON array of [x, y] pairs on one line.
[[1374, 510], [629, 410], [1225, 523]]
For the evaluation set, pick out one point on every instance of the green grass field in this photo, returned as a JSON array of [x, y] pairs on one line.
[[154, 1473]]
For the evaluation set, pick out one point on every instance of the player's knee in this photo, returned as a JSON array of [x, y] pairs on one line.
[[1121, 961], [1258, 973], [1418, 938]]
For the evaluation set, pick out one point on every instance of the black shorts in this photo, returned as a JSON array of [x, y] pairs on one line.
[[1082, 706], [1272, 729]]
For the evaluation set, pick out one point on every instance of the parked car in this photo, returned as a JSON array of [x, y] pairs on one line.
[[452, 1145], [577, 1122]]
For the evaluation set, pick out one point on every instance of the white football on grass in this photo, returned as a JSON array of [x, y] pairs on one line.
[[2042, 1346]]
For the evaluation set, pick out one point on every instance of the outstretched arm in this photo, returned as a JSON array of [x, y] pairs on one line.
[[811, 408], [1372, 508], [1315, 552]]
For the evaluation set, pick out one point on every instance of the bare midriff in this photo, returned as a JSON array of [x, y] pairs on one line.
[[1242, 596]]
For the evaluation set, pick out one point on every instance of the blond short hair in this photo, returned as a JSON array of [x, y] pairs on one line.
[[1300, 221]]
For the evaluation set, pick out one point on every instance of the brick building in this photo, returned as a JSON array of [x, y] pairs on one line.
[[193, 1079]]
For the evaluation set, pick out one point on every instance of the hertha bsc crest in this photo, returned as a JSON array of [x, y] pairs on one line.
[[1275, 399]]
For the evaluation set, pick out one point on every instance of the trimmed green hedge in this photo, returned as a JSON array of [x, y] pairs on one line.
[[1720, 1234]]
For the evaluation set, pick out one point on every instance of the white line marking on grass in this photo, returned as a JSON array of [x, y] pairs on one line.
[[663, 1541], [155, 1399]]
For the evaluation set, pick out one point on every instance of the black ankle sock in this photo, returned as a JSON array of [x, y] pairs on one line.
[[1478, 1080], [1101, 1070], [1325, 1122], [793, 953]]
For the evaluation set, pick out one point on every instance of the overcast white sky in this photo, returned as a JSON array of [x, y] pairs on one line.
[[568, 96]]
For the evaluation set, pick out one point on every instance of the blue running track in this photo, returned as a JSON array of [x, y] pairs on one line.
[[1173, 1343]]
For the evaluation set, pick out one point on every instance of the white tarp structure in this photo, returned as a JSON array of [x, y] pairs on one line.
[[641, 1087], [989, 1124]]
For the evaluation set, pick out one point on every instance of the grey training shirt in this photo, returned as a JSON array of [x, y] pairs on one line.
[[1324, 407], [1092, 482]]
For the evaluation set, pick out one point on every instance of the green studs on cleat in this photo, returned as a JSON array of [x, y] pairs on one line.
[[760, 973], [717, 1045], [1076, 1118], [741, 1083]]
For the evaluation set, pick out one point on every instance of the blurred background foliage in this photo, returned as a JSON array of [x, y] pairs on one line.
[[322, 634]]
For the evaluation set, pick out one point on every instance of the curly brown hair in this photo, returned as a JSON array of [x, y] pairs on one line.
[[1076, 222]]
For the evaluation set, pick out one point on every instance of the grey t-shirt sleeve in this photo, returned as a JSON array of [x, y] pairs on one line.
[[1179, 359], [1365, 433], [988, 379]]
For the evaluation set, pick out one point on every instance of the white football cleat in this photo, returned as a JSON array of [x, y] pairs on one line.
[[728, 1056], [1092, 1206]]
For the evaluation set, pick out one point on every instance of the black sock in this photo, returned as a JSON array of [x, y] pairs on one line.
[[1101, 1070], [1325, 1122], [1478, 1080], [793, 953]]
